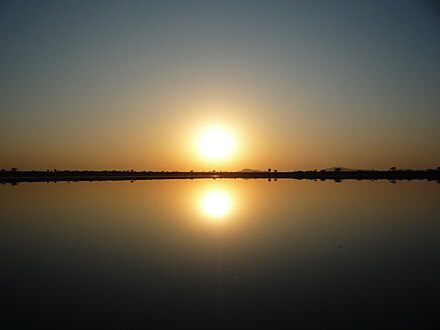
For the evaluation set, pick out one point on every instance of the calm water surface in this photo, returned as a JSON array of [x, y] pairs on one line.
[[220, 254]]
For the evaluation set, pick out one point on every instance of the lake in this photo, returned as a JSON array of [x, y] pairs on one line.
[[220, 253]]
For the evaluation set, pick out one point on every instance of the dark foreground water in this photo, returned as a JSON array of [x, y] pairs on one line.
[[220, 254]]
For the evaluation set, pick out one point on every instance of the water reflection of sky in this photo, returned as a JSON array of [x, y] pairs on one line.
[[313, 246]]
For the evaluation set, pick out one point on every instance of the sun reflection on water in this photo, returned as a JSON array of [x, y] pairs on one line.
[[216, 204]]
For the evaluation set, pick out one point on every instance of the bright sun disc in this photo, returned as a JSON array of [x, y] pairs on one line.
[[216, 204], [216, 143]]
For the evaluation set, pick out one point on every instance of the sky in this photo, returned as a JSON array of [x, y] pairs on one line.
[[298, 84]]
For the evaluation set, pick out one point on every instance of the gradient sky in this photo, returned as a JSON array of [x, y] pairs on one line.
[[301, 84]]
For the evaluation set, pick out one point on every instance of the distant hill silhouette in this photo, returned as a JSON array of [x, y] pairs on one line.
[[249, 170]]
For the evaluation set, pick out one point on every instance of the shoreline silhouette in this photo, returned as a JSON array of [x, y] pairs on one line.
[[15, 176]]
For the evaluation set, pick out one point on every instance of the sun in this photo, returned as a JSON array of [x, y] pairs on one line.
[[216, 143]]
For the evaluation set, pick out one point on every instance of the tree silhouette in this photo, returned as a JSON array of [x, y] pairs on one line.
[[269, 170]]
